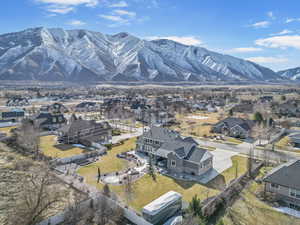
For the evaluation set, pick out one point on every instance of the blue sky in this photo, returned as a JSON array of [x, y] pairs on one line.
[[263, 31]]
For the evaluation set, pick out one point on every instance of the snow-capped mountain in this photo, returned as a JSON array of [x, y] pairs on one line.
[[81, 55], [291, 74]]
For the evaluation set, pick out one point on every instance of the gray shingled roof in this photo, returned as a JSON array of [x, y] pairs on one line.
[[181, 148], [198, 154], [80, 124], [184, 148], [232, 121], [295, 137], [160, 133], [286, 175]]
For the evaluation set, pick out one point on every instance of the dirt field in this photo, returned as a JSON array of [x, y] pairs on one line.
[[13, 167]]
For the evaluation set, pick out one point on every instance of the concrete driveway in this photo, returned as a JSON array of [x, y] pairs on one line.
[[221, 162], [222, 159]]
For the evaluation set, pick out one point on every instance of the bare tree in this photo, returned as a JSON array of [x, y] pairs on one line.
[[27, 137], [250, 161], [36, 199], [128, 188], [106, 212]]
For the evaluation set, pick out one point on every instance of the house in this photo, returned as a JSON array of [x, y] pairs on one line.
[[151, 115], [49, 121], [163, 208], [15, 115], [284, 183], [234, 127], [266, 99], [87, 107], [175, 153], [288, 109], [17, 101], [295, 139], [86, 132], [55, 108], [243, 108]]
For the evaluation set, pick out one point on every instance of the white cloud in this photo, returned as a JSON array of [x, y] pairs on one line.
[[283, 42], [66, 6], [76, 23], [244, 50], [261, 24], [290, 20], [60, 9], [262, 59], [186, 40], [271, 15], [113, 18], [121, 4], [120, 17], [283, 32], [89, 3], [124, 13]]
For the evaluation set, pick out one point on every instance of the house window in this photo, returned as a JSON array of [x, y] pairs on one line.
[[173, 163], [274, 186], [295, 193], [293, 206]]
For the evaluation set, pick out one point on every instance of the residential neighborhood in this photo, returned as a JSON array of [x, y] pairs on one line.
[[156, 154]]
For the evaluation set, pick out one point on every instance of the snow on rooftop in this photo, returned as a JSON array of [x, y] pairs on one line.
[[162, 202]]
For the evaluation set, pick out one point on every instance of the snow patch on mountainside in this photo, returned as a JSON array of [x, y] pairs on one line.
[[81, 55]]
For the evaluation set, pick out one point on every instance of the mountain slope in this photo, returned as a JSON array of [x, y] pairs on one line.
[[81, 55], [291, 74]]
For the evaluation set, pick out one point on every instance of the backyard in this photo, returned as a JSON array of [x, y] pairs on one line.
[[146, 189], [108, 163], [6, 130], [250, 210], [50, 148]]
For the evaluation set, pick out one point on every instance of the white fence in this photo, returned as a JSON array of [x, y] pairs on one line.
[[128, 213]]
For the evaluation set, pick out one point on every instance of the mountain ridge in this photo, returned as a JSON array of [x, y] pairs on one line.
[[291, 74], [55, 54]]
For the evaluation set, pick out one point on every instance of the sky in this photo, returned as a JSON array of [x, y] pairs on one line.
[[263, 31]]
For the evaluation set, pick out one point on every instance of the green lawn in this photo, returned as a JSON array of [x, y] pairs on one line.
[[6, 130], [47, 146], [147, 190], [110, 162], [283, 143], [234, 140]]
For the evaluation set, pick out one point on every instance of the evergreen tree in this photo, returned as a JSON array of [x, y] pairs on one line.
[[258, 117], [195, 207], [151, 168]]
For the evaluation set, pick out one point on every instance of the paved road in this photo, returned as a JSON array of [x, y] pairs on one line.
[[244, 148], [136, 133]]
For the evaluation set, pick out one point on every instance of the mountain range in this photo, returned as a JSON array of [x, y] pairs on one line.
[[291, 74], [86, 56]]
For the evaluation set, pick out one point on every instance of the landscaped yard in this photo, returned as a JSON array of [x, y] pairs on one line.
[[146, 190], [6, 130], [110, 162], [283, 143], [50, 148]]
